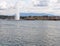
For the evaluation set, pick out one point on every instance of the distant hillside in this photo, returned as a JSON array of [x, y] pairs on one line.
[[36, 14]]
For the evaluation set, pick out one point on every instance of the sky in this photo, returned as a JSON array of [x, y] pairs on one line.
[[7, 3], [29, 6]]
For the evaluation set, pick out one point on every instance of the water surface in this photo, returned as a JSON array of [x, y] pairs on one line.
[[29, 33]]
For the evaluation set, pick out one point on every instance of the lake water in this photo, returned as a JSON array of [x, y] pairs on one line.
[[29, 33]]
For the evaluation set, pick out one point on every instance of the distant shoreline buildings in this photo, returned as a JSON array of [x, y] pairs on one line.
[[31, 17]]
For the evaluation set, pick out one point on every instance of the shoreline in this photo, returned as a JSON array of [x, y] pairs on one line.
[[31, 17]]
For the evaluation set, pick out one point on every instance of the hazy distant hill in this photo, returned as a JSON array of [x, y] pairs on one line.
[[36, 14]]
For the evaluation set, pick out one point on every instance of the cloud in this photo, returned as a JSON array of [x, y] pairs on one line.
[[3, 5], [7, 3], [27, 6]]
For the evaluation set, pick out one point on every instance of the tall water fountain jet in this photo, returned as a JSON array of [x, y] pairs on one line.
[[17, 16]]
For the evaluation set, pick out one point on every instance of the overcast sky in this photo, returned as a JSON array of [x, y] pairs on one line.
[[28, 6]]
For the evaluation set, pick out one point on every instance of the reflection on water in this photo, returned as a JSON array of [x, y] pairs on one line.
[[29, 33]]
